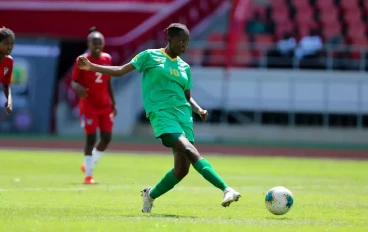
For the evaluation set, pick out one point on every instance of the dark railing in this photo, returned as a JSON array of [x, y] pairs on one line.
[[331, 57]]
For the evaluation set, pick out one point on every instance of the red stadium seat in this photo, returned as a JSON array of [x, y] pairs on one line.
[[304, 29], [306, 11], [366, 7], [301, 4], [260, 10], [265, 39], [216, 37], [117, 1], [329, 15], [217, 57], [331, 30], [280, 11], [356, 52], [304, 16], [281, 15], [256, 53], [264, 42], [278, 3], [359, 41], [355, 55], [243, 42], [282, 28], [195, 56], [349, 5], [353, 17], [325, 4], [357, 31], [242, 58]]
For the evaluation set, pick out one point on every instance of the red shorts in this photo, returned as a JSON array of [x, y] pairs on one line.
[[90, 121]]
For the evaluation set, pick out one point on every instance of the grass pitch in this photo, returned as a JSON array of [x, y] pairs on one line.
[[42, 191]]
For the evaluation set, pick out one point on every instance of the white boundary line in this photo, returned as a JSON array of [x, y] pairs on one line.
[[153, 152], [81, 150], [188, 188], [109, 152], [108, 6]]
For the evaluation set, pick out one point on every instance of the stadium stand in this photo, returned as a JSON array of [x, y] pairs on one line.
[[341, 25]]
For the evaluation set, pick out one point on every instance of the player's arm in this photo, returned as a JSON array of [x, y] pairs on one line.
[[114, 71], [81, 91], [195, 107], [76, 77], [7, 91], [9, 100], [112, 97]]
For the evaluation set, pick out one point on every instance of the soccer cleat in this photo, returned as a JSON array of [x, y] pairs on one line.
[[89, 180], [83, 168], [147, 200], [230, 195]]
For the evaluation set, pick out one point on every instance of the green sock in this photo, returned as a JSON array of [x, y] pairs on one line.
[[166, 183], [205, 169]]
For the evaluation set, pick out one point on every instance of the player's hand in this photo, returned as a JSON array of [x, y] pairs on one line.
[[203, 114], [84, 63], [8, 108], [114, 110], [81, 91]]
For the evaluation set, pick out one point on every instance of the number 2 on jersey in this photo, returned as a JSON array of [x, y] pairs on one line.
[[99, 77], [174, 72]]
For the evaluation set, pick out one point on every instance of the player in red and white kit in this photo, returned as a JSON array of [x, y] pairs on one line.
[[97, 104], [7, 38]]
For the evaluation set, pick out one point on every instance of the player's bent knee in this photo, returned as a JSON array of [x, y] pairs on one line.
[[180, 173], [192, 153]]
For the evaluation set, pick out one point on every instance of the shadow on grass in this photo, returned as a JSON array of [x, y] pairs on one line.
[[278, 218], [172, 216], [81, 184], [162, 216]]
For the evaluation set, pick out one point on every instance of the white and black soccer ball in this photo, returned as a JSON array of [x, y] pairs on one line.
[[279, 200]]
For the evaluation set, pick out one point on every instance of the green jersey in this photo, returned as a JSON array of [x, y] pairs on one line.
[[164, 80]]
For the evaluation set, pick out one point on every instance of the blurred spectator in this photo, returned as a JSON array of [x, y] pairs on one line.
[[309, 46], [286, 45], [335, 41], [206, 57], [256, 25]]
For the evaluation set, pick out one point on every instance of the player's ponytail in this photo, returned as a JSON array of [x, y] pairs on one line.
[[93, 29], [92, 33]]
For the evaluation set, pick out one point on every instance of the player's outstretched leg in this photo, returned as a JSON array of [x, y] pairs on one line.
[[206, 170], [87, 166], [98, 151], [172, 177]]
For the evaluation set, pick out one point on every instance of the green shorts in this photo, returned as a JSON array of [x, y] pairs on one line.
[[177, 121]]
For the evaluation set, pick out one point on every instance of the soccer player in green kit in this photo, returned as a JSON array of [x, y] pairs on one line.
[[169, 105]]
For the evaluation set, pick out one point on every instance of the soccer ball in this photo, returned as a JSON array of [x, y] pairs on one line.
[[279, 200]]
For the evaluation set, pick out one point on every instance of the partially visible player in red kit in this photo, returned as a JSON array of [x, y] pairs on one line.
[[97, 104], [7, 38]]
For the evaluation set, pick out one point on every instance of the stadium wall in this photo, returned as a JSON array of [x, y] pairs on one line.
[[33, 85], [258, 90], [269, 134], [282, 90]]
